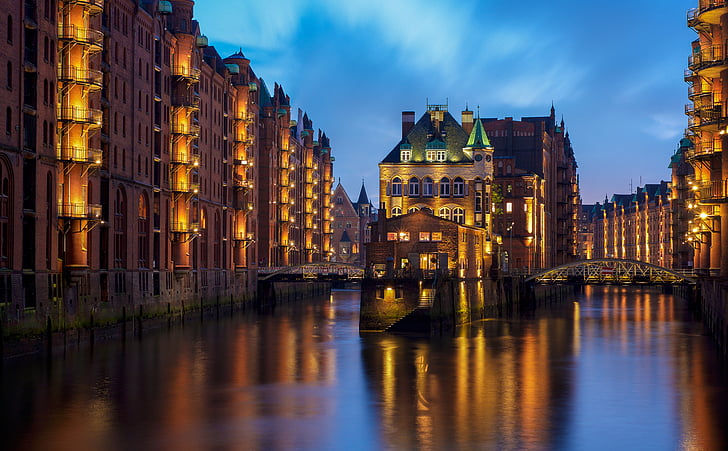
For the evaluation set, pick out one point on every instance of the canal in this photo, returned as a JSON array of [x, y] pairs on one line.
[[616, 368]]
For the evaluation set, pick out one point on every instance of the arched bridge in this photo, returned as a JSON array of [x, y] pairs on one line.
[[323, 270], [611, 271]]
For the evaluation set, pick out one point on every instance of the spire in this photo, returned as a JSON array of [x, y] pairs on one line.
[[478, 138], [363, 198]]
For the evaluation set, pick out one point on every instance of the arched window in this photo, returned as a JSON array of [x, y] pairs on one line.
[[396, 211], [413, 209], [444, 187], [9, 75], [6, 213], [458, 187], [427, 187], [414, 187], [444, 213], [120, 229], [143, 232], [396, 186], [10, 29], [458, 215]]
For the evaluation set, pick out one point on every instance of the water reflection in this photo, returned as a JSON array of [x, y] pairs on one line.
[[615, 368]]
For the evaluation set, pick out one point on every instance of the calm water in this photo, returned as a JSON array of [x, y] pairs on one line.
[[618, 369]]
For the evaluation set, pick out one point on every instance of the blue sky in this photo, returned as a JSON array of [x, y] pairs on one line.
[[614, 71]]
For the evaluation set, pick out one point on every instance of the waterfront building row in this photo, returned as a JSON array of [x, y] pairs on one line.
[[140, 166]]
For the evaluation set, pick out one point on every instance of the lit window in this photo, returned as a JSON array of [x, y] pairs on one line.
[[431, 155], [444, 213], [436, 236], [458, 215], [424, 236], [509, 207], [405, 155]]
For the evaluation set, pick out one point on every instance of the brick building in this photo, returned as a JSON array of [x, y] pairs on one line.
[[139, 166], [534, 157], [419, 243], [707, 115], [350, 226], [441, 167]]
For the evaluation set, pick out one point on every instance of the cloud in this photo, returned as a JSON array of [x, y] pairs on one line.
[[665, 126]]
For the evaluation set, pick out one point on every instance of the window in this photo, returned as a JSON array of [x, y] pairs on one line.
[[478, 202], [414, 187], [396, 211], [396, 186], [427, 187], [509, 207], [8, 120], [424, 236], [444, 213], [458, 215], [436, 236], [120, 230], [445, 187], [405, 155], [458, 187], [412, 209], [441, 155], [6, 207], [10, 75], [431, 155], [143, 232], [10, 29]]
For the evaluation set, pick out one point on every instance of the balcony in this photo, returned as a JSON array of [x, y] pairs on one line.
[[93, 7], [186, 73], [708, 61], [705, 115], [79, 210], [79, 154], [184, 186], [184, 159], [713, 191], [80, 115], [697, 92], [185, 129], [189, 101], [244, 116], [705, 149], [94, 79], [93, 39], [708, 11], [184, 227]]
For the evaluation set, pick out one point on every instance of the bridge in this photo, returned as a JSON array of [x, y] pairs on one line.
[[611, 271], [310, 271]]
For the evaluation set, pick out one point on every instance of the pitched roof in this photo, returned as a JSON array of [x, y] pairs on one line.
[[478, 138], [363, 198], [425, 135]]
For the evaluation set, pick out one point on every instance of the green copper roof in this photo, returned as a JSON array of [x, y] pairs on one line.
[[436, 144], [478, 137]]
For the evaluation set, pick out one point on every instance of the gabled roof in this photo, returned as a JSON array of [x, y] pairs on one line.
[[265, 97], [424, 135], [345, 237]]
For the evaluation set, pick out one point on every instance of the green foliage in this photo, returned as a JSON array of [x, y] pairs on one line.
[[496, 198]]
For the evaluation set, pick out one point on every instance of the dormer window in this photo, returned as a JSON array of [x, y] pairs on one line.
[[431, 155], [405, 155], [441, 155]]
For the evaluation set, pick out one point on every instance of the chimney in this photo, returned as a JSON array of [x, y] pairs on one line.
[[408, 121], [467, 119]]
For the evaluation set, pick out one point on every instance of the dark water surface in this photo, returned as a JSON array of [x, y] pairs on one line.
[[618, 369]]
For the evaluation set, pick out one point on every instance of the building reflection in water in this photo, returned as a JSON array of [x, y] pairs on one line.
[[623, 366], [618, 364]]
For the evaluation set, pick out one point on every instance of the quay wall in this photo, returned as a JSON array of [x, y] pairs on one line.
[[452, 302], [83, 315], [712, 297]]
